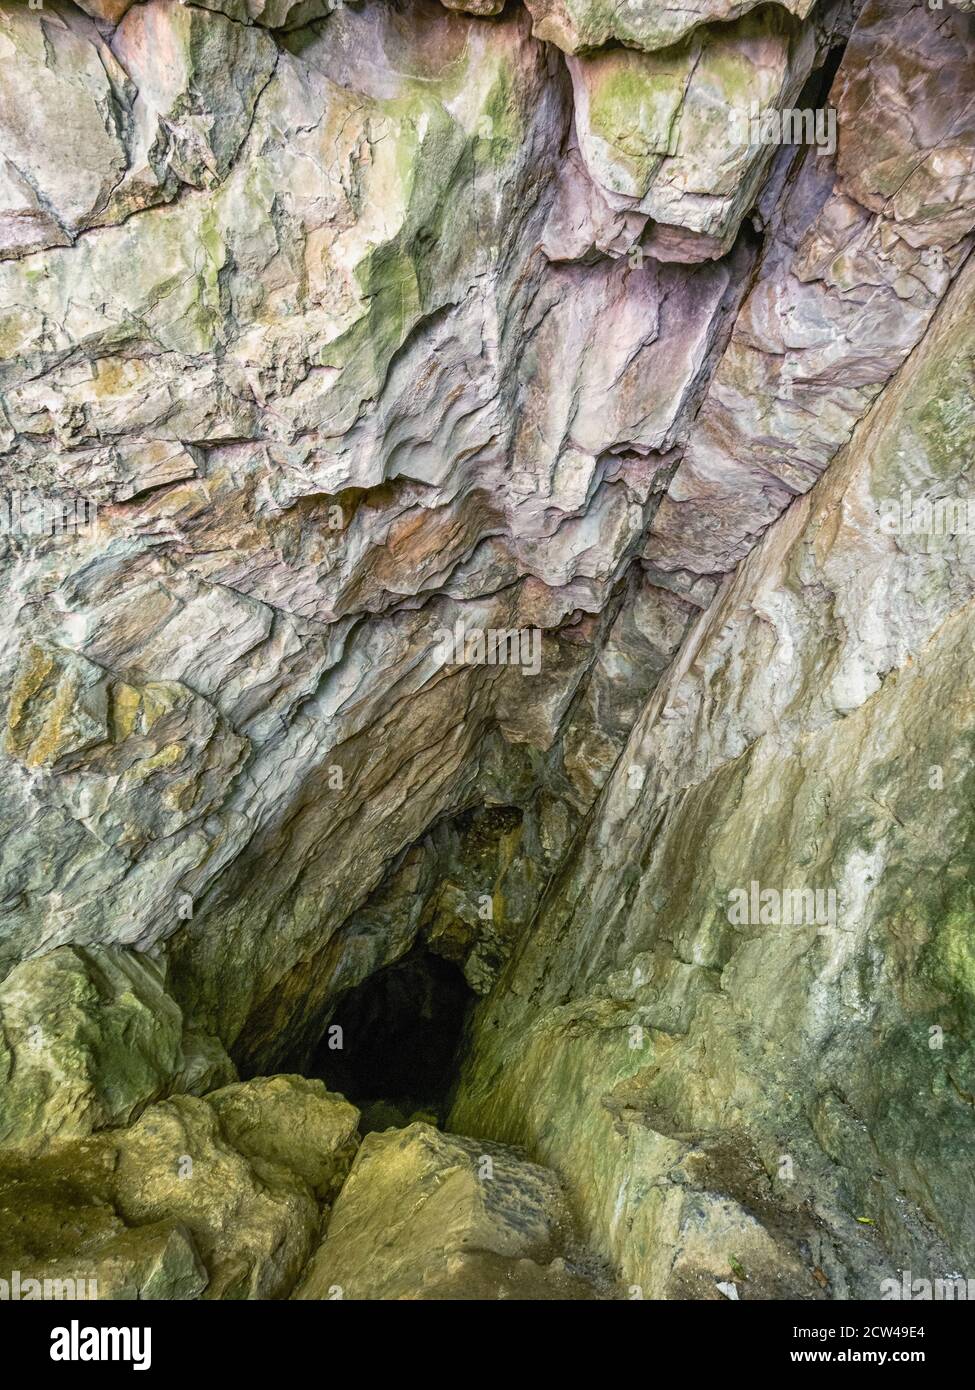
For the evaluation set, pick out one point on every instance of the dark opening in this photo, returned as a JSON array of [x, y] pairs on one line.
[[402, 1031]]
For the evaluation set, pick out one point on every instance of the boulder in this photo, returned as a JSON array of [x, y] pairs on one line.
[[425, 1215], [195, 1199]]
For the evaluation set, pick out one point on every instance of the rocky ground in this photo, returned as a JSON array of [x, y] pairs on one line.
[[336, 329]]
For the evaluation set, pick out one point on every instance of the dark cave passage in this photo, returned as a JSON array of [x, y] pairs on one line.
[[401, 1035]]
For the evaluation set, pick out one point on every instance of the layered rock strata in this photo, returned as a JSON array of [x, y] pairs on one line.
[[336, 335]]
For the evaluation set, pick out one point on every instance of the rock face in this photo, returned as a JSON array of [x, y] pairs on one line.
[[576, 25], [856, 261], [426, 1215], [813, 734], [89, 1038], [216, 1198], [657, 133], [453, 461]]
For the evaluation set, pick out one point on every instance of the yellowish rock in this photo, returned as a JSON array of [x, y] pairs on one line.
[[425, 1215]]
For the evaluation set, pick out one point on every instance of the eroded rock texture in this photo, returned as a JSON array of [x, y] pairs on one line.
[[814, 731], [336, 331], [219, 1198], [430, 1215]]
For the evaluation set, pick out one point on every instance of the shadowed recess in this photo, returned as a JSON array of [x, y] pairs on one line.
[[401, 1036]]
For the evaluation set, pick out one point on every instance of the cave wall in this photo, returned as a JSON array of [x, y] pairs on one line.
[[815, 732], [343, 324]]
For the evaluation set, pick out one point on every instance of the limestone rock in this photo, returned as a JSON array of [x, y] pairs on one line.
[[140, 126], [62, 85], [109, 10], [638, 649], [293, 1123], [582, 223], [268, 626], [58, 706], [271, 14], [577, 25], [482, 7], [253, 1227], [59, 1226], [845, 290], [657, 131], [431, 1215], [194, 1199], [206, 1066], [202, 99], [87, 1039], [830, 676], [342, 345]]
